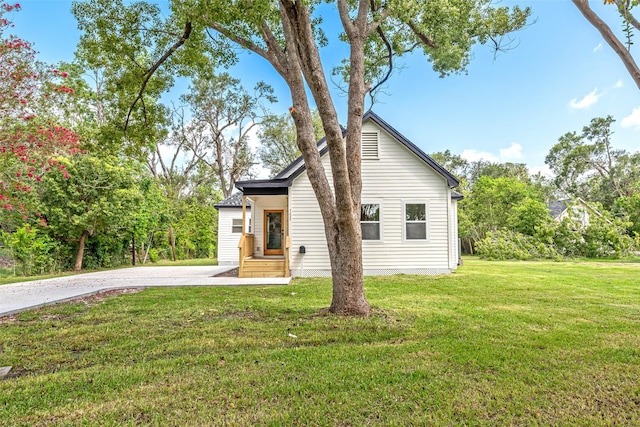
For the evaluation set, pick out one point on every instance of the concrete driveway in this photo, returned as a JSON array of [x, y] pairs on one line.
[[22, 296]]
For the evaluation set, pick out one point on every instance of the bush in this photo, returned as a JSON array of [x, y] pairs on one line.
[[33, 253], [153, 255], [506, 244]]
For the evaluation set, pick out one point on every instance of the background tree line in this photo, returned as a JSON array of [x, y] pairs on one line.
[[505, 210], [77, 192]]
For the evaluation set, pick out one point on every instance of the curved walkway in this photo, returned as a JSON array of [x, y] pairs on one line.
[[22, 296]]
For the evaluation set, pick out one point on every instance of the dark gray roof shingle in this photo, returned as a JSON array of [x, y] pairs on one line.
[[234, 201], [558, 207]]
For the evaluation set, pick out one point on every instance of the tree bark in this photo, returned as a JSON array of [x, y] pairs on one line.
[[133, 250], [80, 255], [172, 241], [610, 38], [340, 209]]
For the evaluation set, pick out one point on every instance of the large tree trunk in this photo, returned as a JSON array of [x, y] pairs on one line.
[[340, 209], [80, 255]]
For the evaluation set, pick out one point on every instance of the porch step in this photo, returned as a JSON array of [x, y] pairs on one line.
[[262, 267]]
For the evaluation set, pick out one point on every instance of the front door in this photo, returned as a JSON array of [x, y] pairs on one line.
[[273, 233]]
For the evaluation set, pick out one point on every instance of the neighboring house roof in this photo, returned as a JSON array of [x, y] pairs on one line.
[[234, 201], [558, 207], [286, 177]]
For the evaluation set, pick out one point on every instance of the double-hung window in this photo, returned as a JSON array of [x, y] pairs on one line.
[[415, 221], [236, 225], [370, 221]]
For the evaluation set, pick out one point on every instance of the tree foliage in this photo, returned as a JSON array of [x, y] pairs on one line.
[[224, 114], [98, 196], [32, 131], [278, 145], [587, 165]]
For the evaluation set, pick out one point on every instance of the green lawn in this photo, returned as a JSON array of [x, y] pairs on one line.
[[497, 343]]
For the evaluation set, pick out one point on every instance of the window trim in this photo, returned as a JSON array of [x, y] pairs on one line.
[[379, 222], [405, 222]]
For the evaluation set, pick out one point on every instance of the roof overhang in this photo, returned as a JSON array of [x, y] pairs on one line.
[[264, 187]]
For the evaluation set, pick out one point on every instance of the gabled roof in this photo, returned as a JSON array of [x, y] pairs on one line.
[[233, 201], [557, 207], [297, 167]]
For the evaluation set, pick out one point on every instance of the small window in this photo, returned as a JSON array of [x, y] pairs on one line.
[[415, 222], [236, 225], [369, 143], [370, 221]]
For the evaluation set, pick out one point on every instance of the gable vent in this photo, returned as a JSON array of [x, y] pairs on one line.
[[369, 145]]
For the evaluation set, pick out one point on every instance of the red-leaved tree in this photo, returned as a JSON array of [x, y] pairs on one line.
[[32, 131]]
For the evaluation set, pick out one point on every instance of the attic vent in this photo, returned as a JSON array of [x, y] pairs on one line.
[[369, 145]]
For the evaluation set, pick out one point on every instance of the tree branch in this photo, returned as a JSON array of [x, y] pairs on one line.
[[610, 38], [384, 39], [623, 7], [149, 73], [422, 37]]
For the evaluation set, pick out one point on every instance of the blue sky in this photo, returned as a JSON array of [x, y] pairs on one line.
[[510, 108]]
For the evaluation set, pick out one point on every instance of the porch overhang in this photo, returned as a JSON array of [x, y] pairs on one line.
[[264, 187]]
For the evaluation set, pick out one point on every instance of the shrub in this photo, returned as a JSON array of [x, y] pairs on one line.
[[506, 244]]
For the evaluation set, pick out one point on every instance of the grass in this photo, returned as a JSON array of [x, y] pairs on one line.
[[497, 343]]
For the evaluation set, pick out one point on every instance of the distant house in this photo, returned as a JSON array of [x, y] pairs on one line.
[[409, 214], [576, 209]]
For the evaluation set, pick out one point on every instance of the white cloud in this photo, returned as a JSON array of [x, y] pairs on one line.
[[543, 170], [597, 48], [513, 152], [587, 101], [632, 120], [472, 155], [618, 84]]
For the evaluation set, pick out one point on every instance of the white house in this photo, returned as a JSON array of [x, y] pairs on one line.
[[409, 214], [230, 228]]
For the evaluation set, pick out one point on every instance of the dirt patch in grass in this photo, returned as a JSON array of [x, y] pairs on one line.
[[88, 300], [230, 273]]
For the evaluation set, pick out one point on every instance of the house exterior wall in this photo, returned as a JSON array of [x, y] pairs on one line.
[[228, 241], [395, 178]]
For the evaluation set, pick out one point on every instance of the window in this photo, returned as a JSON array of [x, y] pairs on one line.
[[369, 143], [415, 221], [236, 225], [370, 221]]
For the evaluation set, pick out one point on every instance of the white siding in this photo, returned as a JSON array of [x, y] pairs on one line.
[[228, 241], [395, 177]]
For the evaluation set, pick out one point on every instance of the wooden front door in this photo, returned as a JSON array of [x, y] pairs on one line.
[[273, 232]]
